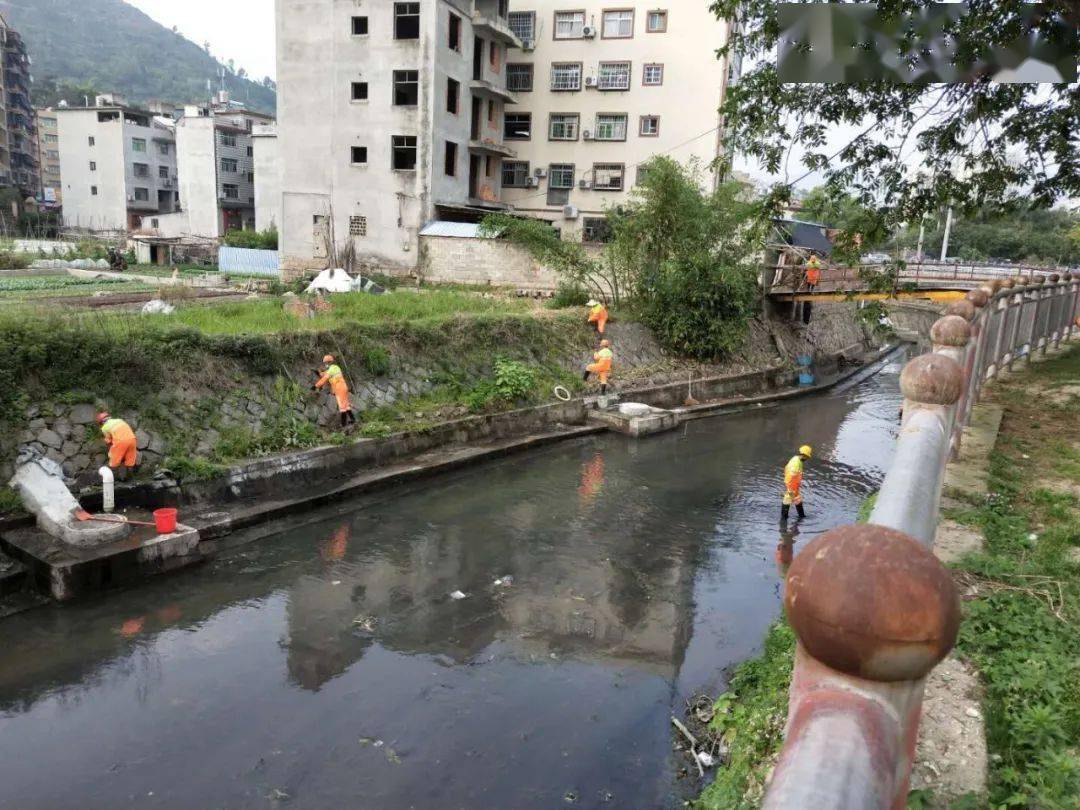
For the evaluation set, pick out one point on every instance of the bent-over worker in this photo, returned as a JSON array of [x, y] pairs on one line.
[[598, 315], [123, 446], [601, 366], [793, 474], [813, 273], [333, 375]]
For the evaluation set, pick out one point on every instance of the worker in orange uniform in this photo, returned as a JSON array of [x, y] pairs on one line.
[[123, 447], [813, 273], [598, 315], [601, 366], [333, 375], [793, 474]]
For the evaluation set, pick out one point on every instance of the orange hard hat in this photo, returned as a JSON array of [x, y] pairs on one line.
[[328, 359], [103, 417]]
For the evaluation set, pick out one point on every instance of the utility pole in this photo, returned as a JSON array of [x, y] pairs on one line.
[[948, 230], [922, 232]]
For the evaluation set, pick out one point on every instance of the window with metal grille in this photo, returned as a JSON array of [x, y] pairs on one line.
[[93, 165], [359, 91], [517, 126], [142, 194], [228, 140], [357, 226], [403, 153], [232, 192], [656, 22], [610, 127], [406, 21], [141, 170], [163, 148], [618, 24], [519, 78], [515, 174], [608, 176], [614, 76], [523, 24], [650, 126], [596, 230], [229, 166], [359, 26], [163, 172], [406, 88], [642, 175], [561, 175], [138, 144], [564, 127], [569, 24], [653, 75], [566, 76]]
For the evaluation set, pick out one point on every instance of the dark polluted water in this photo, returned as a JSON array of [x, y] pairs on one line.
[[329, 666]]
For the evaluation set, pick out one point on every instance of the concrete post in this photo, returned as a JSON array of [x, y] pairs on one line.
[[1053, 331], [979, 300], [1030, 342], [1001, 306], [1074, 308], [1016, 302]]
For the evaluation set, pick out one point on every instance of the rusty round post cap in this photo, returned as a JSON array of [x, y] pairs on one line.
[[932, 379], [978, 297], [964, 308], [1008, 283], [1038, 280], [1024, 280], [952, 330], [872, 602], [995, 285], [1054, 278]]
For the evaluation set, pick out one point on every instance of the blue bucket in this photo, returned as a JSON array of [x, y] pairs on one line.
[[806, 378], [804, 360]]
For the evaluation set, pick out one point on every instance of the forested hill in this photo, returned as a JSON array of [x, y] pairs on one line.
[[82, 47]]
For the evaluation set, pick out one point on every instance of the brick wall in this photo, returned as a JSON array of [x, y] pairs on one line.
[[482, 261]]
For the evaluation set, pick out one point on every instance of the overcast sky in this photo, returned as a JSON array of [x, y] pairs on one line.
[[242, 30]]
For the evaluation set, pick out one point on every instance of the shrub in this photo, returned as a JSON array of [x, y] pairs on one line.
[[377, 361], [569, 294], [9, 260], [252, 240], [376, 430]]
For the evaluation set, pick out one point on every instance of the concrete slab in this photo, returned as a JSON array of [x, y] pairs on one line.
[[65, 571], [637, 426], [968, 475], [954, 540]]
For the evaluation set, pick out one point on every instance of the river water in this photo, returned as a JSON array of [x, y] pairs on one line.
[[328, 666]]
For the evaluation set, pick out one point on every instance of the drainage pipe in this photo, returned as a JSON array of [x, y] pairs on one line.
[[108, 494]]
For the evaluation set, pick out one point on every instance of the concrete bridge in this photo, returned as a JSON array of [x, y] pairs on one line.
[[873, 609]]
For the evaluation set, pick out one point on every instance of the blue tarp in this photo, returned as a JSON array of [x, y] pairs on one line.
[[251, 262]]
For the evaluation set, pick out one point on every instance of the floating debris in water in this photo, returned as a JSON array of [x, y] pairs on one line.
[[570, 797], [458, 595], [276, 795], [504, 582], [706, 759], [392, 756], [365, 623]]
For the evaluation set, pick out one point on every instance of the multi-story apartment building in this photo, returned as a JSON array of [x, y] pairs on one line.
[[389, 114], [21, 120], [602, 88], [118, 165], [49, 157]]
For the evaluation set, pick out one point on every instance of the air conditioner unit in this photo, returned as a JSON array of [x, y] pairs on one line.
[[586, 135], [591, 81], [540, 173], [585, 184], [570, 212], [528, 45], [588, 32], [533, 182]]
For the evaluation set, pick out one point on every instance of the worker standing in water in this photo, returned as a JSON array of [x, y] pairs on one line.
[[598, 315], [601, 366], [793, 474], [333, 375], [813, 273], [123, 446]]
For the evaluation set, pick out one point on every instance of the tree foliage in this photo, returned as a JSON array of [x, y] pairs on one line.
[[982, 144], [1039, 237]]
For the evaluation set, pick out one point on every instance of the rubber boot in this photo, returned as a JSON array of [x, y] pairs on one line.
[[351, 417], [603, 389], [344, 419], [585, 377], [785, 510], [800, 510]]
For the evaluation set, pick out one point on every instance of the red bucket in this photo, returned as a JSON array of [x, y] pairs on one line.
[[165, 520]]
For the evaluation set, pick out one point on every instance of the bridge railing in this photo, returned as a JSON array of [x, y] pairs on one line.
[[873, 609], [848, 277]]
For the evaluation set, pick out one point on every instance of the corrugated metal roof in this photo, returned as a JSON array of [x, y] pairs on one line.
[[462, 230]]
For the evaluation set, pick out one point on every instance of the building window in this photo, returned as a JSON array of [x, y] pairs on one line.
[[653, 75], [403, 152], [515, 174], [359, 91], [359, 26], [228, 140], [406, 21], [650, 126], [140, 170], [561, 175], [406, 88], [93, 191], [231, 191], [595, 230], [358, 156], [163, 148], [450, 159], [610, 127], [566, 76], [491, 113], [91, 140], [608, 176], [614, 76], [453, 96], [357, 226], [454, 41], [142, 195], [51, 139], [251, 151], [138, 144], [569, 24], [154, 223], [618, 24], [251, 177], [519, 78], [93, 166], [517, 126], [523, 24], [656, 22], [642, 175], [564, 127], [229, 165], [163, 172]]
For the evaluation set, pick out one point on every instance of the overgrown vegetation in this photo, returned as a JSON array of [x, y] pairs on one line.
[[252, 240]]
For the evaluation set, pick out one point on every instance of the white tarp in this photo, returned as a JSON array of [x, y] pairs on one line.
[[332, 281]]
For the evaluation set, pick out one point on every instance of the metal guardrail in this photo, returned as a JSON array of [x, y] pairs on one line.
[[873, 609], [930, 272]]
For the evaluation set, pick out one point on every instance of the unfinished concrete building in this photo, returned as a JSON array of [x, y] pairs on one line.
[[390, 114], [21, 158]]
